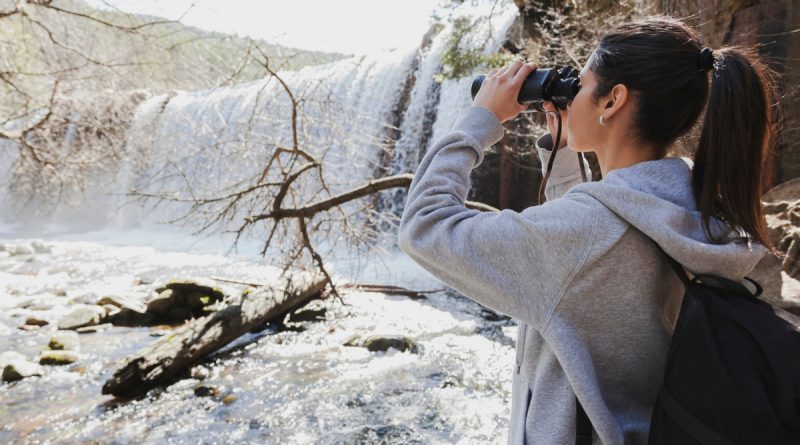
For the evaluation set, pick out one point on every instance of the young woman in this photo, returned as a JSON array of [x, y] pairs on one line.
[[594, 296]]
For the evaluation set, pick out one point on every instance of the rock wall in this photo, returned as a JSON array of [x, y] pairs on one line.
[[767, 24]]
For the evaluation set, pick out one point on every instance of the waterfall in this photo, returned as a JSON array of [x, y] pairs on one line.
[[363, 117]]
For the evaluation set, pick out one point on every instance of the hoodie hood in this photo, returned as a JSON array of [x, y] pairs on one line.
[[656, 197]]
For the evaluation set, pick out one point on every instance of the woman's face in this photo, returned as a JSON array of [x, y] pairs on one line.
[[583, 115]]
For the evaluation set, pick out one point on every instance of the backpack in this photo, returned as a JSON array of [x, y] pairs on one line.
[[732, 374]]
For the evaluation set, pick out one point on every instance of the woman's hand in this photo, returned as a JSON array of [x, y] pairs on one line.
[[552, 123], [500, 89]]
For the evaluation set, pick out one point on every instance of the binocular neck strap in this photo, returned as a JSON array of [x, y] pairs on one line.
[[550, 162]]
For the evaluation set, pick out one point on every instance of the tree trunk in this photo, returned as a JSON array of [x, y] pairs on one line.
[[174, 353]]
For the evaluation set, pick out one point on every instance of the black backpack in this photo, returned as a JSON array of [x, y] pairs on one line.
[[732, 374]]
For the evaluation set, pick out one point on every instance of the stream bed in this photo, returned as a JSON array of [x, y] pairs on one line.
[[292, 384]]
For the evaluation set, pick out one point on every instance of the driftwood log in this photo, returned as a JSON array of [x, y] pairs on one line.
[[174, 353]]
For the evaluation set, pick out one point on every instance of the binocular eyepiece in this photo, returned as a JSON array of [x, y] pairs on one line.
[[557, 85]]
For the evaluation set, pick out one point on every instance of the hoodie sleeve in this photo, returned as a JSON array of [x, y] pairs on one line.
[[566, 170], [517, 263]]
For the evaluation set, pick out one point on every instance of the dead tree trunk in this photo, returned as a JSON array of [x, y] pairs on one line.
[[172, 354]]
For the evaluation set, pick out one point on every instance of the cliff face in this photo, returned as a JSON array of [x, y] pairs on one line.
[[767, 24]]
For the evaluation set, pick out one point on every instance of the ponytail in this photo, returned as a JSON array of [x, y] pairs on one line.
[[730, 164]]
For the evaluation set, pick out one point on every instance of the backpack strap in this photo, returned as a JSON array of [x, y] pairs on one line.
[[676, 267], [583, 430]]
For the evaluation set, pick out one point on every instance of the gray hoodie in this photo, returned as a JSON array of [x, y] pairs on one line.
[[578, 273]]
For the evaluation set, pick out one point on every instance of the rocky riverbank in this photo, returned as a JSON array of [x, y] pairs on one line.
[[380, 368]]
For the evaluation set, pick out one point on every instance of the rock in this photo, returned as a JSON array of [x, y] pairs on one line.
[[161, 304], [180, 301], [29, 327], [93, 329], [19, 249], [308, 315], [111, 310], [58, 357], [123, 303], [780, 278], [84, 316], [9, 356], [20, 369], [206, 391], [127, 317], [382, 343], [39, 246], [179, 313], [62, 340], [230, 398], [200, 372]]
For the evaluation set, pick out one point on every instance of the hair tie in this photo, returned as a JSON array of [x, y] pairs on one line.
[[705, 60]]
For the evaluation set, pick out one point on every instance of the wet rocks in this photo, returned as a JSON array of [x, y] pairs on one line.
[[126, 311], [382, 343], [19, 369], [65, 340], [36, 321], [7, 357], [180, 301], [62, 349], [206, 391], [123, 303], [83, 316], [58, 357], [308, 315]]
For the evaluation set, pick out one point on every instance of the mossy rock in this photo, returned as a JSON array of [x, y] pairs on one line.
[[58, 357], [84, 316], [20, 369], [65, 340]]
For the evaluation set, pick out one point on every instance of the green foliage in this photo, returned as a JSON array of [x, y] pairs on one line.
[[459, 60]]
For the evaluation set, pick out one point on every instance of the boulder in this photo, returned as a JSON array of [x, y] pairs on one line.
[[83, 316], [122, 303], [382, 343], [65, 340], [162, 303], [180, 301], [58, 357], [7, 357], [20, 369]]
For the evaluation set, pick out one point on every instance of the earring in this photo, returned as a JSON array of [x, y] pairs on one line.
[[602, 121]]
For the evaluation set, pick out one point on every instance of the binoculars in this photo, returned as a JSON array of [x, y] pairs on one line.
[[557, 85]]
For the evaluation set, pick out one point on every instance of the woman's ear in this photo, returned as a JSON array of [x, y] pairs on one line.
[[615, 100]]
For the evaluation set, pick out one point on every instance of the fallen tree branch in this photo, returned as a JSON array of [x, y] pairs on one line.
[[160, 362], [393, 290]]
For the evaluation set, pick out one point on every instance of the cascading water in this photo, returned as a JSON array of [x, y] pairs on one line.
[[360, 116]]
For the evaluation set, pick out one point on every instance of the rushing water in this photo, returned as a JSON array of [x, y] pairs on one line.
[[299, 384]]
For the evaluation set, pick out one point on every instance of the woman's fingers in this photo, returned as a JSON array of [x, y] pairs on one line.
[[524, 71], [511, 69]]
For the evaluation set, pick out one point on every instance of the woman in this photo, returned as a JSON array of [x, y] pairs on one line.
[[594, 296]]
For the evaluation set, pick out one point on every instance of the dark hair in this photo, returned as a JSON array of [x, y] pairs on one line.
[[659, 60]]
